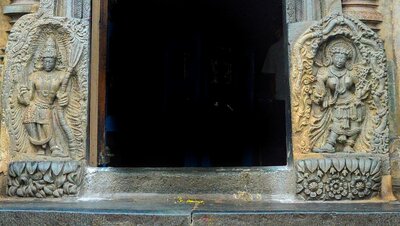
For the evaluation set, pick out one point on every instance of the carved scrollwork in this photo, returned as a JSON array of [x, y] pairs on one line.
[[339, 88], [44, 179], [338, 178]]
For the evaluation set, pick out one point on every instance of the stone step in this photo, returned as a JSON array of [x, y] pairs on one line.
[[166, 212]]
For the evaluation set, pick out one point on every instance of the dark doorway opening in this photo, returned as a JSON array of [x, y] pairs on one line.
[[194, 75]]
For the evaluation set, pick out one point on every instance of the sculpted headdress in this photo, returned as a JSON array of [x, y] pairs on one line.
[[341, 47], [50, 48]]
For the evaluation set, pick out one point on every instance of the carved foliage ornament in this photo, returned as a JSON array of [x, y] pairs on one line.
[[44, 179], [339, 89], [46, 87], [338, 178]]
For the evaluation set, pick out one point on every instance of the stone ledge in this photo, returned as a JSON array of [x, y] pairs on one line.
[[168, 212]]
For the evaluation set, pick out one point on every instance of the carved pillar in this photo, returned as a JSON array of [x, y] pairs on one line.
[[364, 10], [44, 102]]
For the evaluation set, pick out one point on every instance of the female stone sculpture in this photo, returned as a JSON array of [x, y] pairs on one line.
[[338, 103], [45, 96]]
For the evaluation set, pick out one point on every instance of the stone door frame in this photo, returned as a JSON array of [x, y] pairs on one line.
[[97, 113]]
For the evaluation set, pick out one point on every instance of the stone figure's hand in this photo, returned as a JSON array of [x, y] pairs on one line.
[[63, 100], [22, 98], [317, 96], [70, 69]]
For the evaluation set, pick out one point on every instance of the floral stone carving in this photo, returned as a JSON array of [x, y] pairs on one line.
[[339, 89], [338, 178], [44, 179]]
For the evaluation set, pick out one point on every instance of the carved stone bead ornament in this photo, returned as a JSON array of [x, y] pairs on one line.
[[338, 178], [44, 96], [44, 179], [339, 89]]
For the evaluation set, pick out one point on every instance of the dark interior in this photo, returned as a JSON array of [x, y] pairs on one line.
[[190, 70]]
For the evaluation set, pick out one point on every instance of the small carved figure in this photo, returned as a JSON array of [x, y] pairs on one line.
[[45, 95], [339, 103]]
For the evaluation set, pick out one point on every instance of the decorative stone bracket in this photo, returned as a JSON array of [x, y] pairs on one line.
[[44, 179], [338, 178]]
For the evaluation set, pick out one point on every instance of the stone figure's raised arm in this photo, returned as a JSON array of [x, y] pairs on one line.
[[25, 93], [319, 88]]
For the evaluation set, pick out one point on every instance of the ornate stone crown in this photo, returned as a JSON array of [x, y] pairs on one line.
[[342, 48], [50, 48]]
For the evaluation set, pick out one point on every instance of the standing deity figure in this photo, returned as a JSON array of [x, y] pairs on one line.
[[45, 96], [338, 101]]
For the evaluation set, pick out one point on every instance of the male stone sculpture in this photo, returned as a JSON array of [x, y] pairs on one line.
[[45, 97]]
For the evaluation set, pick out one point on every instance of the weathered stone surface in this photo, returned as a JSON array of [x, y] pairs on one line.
[[88, 218], [303, 10], [304, 218], [4, 29], [340, 108], [339, 89], [329, 7], [146, 212], [143, 210], [276, 183], [19, 8], [392, 32], [338, 178], [44, 179], [364, 10], [73, 8], [45, 91]]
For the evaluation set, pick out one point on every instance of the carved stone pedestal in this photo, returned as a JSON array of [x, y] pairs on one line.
[[338, 178], [43, 179]]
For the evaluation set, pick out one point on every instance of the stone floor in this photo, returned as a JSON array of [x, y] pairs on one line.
[[175, 210]]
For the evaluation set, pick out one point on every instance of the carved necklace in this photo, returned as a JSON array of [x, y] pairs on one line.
[[337, 73]]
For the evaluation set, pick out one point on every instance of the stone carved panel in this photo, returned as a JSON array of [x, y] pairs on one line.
[[47, 7], [45, 90], [73, 8], [332, 179], [44, 179], [302, 10], [290, 11], [339, 89], [86, 8]]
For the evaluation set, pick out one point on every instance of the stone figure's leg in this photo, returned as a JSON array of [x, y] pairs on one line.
[[349, 144], [352, 139], [33, 132], [54, 148], [42, 134], [329, 146], [31, 129]]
